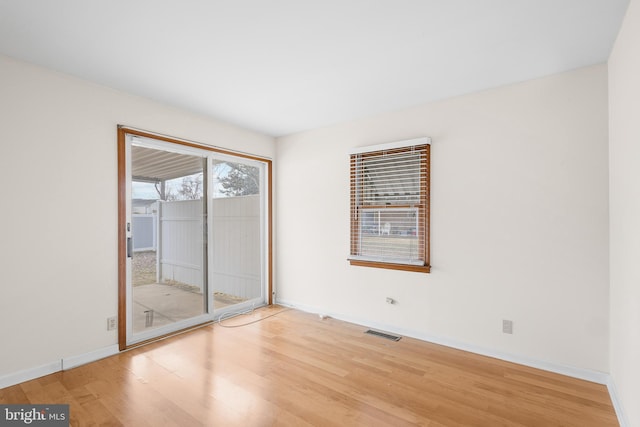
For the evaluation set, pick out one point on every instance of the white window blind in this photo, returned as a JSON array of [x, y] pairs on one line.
[[389, 204]]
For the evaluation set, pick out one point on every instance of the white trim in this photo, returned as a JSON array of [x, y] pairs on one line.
[[571, 371], [617, 403], [30, 374], [391, 145], [91, 356], [60, 365]]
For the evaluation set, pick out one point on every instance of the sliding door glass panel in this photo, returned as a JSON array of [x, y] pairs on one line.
[[237, 255], [168, 251], [196, 230]]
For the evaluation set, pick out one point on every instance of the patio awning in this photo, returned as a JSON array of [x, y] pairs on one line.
[[152, 165]]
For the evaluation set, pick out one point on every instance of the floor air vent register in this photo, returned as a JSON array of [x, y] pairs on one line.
[[383, 335]]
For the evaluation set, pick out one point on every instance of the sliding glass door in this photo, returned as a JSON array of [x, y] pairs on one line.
[[237, 251], [196, 229]]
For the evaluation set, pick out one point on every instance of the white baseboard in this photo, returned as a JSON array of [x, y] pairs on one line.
[[29, 374], [92, 356], [59, 365], [580, 373], [617, 404]]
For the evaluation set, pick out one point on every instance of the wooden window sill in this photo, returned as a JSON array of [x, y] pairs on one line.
[[391, 266]]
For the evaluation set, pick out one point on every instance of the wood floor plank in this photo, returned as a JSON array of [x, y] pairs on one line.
[[295, 369]]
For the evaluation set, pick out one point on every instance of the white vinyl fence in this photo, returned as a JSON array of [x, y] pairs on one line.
[[180, 242], [236, 267], [176, 233], [144, 232]]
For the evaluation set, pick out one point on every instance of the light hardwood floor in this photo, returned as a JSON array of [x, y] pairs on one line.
[[297, 369]]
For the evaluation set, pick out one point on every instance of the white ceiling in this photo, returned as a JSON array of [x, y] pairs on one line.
[[282, 66]]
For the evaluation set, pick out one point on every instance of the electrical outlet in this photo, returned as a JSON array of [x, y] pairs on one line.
[[507, 326], [112, 323]]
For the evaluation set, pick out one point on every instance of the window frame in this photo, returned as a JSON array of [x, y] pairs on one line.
[[423, 206]]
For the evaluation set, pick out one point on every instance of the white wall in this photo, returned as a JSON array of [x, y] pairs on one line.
[[519, 222], [624, 163], [58, 168]]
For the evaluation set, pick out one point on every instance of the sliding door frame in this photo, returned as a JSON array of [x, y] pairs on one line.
[[123, 131]]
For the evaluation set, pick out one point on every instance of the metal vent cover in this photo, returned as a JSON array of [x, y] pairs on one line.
[[383, 335]]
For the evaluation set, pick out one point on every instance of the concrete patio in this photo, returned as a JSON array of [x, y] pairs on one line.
[[156, 305]]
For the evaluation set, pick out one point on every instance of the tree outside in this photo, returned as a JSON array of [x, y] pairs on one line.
[[231, 179], [237, 179]]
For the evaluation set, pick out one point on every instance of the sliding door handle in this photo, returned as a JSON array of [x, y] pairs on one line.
[[129, 247]]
